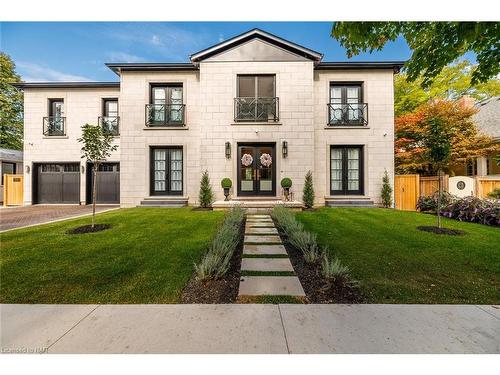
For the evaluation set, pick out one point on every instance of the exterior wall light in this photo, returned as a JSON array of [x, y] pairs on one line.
[[228, 150], [27, 169], [284, 149], [82, 168]]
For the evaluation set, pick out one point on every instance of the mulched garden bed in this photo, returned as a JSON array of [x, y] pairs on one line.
[[88, 229], [436, 230], [202, 209], [217, 291], [317, 289]]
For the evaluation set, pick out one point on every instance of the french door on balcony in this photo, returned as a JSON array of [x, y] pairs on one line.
[[166, 170], [166, 104], [346, 170], [256, 170], [346, 104]]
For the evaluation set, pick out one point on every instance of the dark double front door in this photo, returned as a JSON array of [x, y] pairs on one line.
[[256, 169]]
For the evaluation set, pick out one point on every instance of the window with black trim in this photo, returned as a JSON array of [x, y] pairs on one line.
[[110, 119], [346, 105], [256, 98], [346, 170], [54, 123], [165, 106], [166, 170]]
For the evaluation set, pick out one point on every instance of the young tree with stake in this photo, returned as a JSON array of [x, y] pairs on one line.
[[437, 141], [97, 147]]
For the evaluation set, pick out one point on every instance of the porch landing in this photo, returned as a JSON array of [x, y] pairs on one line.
[[255, 204]]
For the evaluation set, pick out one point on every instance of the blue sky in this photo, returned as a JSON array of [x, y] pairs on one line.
[[77, 51]]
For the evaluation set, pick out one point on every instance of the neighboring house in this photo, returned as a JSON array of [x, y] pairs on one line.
[[487, 120], [252, 95], [11, 162]]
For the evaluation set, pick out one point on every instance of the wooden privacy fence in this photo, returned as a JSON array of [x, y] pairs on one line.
[[13, 185], [409, 187], [406, 191], [485, 185], [429, 185]]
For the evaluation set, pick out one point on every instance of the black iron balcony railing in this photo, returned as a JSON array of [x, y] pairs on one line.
[[165, 114], [110, 124], [256, 109], [355, 114], [54, 126]]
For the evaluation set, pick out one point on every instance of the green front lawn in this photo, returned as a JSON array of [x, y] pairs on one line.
[[146, 257], [396, 263]]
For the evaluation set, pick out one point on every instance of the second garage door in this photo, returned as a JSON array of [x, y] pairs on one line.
[[108, 183], [58, 183]]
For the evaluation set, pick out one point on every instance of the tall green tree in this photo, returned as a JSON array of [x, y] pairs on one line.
[[11, 105], [454, 81], [434, 44], [97, 146]]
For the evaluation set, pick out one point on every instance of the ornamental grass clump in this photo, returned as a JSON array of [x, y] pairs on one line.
[[217, 260], [297, 235], [333, 270], [307, 244]]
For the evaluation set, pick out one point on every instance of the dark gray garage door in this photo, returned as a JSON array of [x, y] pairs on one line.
[[58, 183], [108, 183]]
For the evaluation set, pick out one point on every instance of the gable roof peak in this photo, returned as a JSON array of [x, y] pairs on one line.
[[256, 33]]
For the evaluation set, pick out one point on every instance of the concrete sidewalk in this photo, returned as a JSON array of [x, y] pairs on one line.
[[250, 328]]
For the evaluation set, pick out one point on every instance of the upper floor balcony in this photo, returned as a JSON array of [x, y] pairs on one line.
[[110, 124], [347, 114], [54, 126], [165, 115], [252, 109]]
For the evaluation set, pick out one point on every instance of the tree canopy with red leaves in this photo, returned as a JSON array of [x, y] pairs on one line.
[[412, 129]]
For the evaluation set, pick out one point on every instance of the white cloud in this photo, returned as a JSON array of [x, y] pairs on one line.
[[124, 57], [164, 40], [37, 73], [155, 39]]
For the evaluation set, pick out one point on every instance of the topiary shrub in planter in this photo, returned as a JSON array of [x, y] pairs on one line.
[[226, 184], [286, 184]]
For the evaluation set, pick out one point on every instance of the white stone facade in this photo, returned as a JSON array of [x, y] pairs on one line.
[[208, 93]]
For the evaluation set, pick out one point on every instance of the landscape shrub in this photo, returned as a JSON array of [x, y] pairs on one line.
[[495, 194], [206, 195], [333, 270], [308, 192], [297, 235], [429, 203], [217, 260], [386, 192], [474, 210]]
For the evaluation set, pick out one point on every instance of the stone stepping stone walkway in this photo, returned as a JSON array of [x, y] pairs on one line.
[[266, 268]]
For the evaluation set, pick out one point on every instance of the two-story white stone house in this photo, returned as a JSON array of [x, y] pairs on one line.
[[255, 108]]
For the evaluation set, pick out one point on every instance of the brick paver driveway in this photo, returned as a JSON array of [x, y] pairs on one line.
[[17, 217]]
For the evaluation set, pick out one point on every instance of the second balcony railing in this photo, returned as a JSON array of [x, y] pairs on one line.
[[256, 109], [110, 124], [54, 126], [355, 114], [165, 115]]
